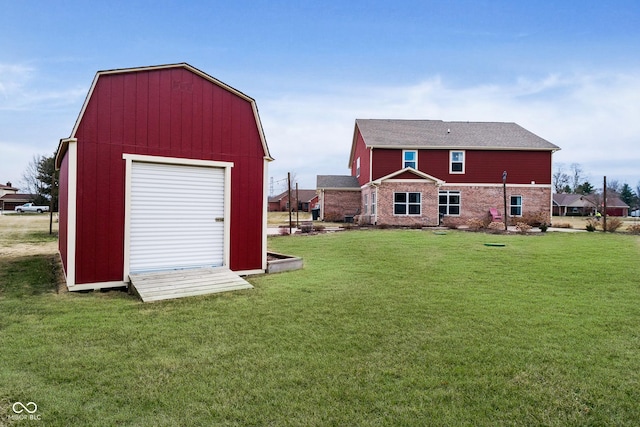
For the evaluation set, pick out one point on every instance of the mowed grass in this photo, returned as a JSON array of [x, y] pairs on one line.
[[381, 327]]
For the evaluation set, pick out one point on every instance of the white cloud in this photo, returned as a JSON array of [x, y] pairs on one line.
[[592, 117], [22, 89]]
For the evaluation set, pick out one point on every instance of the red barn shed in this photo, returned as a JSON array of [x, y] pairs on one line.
[[164, 170]]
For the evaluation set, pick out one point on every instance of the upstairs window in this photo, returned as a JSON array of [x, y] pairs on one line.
[[358, 167], [407, 204], [409, 159], [456, 164]]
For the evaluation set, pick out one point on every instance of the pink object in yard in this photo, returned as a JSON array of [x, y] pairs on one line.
[[495, 215]]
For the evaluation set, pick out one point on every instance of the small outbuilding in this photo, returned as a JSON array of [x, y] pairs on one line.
[[164, 170]]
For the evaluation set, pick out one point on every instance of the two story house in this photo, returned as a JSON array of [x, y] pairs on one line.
[[417, 172]]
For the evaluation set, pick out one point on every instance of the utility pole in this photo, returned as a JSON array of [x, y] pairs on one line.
[[289, 198], [504, 192], [604, 214], [297, 205]]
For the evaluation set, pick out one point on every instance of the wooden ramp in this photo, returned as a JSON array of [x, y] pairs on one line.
[[161, 285]]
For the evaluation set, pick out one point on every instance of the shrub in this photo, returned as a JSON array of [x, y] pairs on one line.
[[319, 228], [634, 229], [563, 225], [543, 227], [535, 219], [592, 224], [496, 226], [523, 227], [475, 224], [306, 228], [612, 224], [452, 223]]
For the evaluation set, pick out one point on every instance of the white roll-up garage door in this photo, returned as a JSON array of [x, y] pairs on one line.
[[177, 215]]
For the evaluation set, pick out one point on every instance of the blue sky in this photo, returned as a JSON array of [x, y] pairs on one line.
[[568, 71]]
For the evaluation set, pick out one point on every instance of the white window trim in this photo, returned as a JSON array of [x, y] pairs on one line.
[[464, 157], [512, 205], [407, 204], [358, 167], [404, 161], [373, 202]]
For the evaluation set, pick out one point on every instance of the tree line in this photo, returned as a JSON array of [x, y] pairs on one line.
[[572, 180]]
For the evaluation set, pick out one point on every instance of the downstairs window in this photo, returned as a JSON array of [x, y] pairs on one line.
[[407, 203]]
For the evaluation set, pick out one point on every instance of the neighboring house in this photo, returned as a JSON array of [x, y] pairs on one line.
[[583, 205], [415, 172], [164, 170], [10, 198], [307, 200], [339, 197]]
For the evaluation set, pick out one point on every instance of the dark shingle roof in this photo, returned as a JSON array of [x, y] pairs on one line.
[[303, 195], [18, 197], [337, 181], [579, 200], [441, 134]]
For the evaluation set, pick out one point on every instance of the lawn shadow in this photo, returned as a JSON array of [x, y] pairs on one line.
[[28, 275]]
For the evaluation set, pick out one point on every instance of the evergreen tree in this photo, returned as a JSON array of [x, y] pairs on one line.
[[585, 188], [627, 195]]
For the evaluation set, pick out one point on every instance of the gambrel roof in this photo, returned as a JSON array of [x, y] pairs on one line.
[[438, 134], [62, 146]]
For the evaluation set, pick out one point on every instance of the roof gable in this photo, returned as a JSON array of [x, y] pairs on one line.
[[403, 173]]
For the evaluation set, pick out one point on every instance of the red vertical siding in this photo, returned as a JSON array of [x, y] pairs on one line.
[[164, 112], [63, 208], [361, 151], [481, 166], [386, 161]]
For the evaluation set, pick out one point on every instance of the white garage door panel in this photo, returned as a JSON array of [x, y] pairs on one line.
[[176, 217]]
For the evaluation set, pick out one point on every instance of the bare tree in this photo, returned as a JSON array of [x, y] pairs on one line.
[[30, 182], [577, 176], [39, 178], [614, 186], [560, 179]]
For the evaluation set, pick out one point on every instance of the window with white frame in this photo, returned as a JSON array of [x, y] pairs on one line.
[[366, 204], [358, 167], [373, 203], [407, 203], [515, 206], [409, 159], [449, 202], [456, 163]]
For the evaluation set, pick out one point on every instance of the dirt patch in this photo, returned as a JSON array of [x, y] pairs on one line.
[[24, 235]]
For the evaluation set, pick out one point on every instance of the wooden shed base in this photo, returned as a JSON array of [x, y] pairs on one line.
[[163, 285]]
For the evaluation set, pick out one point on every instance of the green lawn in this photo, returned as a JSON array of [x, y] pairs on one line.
[[381, 328]]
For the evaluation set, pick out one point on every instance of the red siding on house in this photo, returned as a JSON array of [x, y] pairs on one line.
[[481, 166], [361, 152], [63, 211], [387, 161], [162, 112]]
